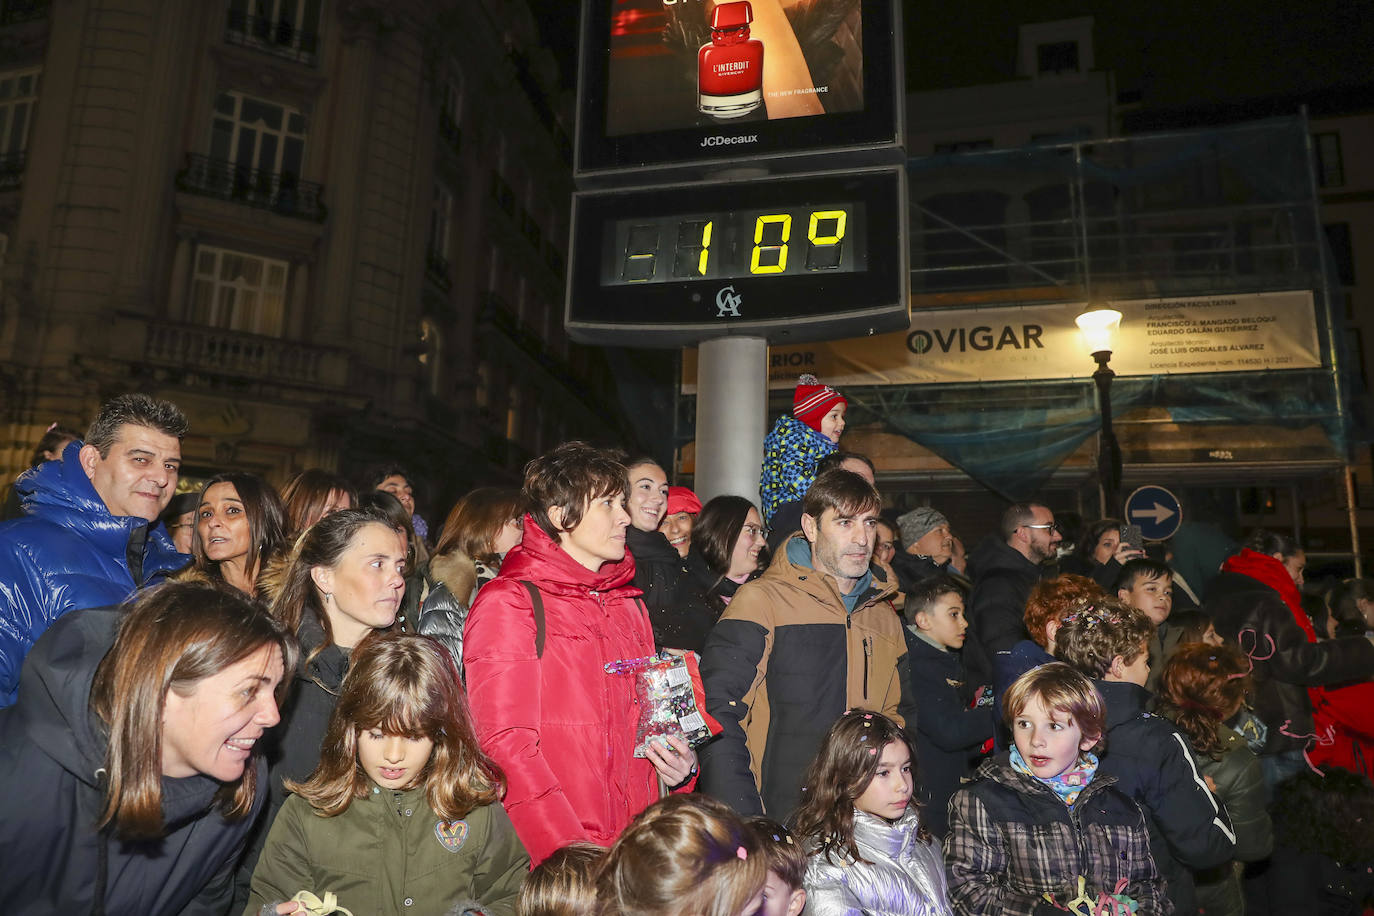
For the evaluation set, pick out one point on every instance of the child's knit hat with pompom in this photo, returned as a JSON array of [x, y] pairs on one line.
[[813, 401]]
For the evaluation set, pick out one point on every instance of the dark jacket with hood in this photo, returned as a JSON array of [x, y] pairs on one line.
[[68, 552], [1002, 581], [1240, 787], [1154, 765], [1286, 662], [786, 660], [51, 749], [679, 610], [912, 569]]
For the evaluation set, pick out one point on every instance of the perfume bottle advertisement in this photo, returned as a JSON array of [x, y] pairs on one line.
[[680, 64]]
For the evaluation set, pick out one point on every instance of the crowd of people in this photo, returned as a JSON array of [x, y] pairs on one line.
[[245, 700]]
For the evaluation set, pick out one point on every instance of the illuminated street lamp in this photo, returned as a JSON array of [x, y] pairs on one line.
[[1099, 327]]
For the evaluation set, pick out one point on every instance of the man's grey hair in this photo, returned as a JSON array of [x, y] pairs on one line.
[[138, 410]]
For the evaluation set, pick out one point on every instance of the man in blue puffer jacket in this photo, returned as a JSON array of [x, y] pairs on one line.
[[87, 538]]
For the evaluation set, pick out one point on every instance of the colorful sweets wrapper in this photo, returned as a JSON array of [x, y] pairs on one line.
[[667, 703]]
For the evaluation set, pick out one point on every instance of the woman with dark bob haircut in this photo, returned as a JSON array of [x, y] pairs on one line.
[[728, 548], [130, 771], [536, 641]]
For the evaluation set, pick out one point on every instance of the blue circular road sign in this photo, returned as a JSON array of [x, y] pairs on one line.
[[1156, 511]]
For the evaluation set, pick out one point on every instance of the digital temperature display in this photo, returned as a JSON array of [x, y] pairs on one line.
[[819, 238], [790, 258]]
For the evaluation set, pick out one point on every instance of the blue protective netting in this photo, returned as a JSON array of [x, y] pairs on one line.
[[1220, 211], [1012, 439]]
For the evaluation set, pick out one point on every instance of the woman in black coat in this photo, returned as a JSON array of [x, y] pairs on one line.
[[345, 578], [130, 771], [728, 548], [679, 612]]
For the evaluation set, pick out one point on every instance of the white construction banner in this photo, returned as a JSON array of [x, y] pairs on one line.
[[1239, 333]]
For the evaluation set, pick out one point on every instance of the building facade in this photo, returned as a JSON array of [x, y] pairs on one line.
[[333, 231]]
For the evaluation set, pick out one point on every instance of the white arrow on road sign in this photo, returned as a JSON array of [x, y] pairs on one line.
[[1158, 513]]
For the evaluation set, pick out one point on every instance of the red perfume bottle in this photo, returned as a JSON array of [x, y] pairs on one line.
[[730, 68]]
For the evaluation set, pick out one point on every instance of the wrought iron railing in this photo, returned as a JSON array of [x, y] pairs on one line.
[[279, 192], [276, 37]]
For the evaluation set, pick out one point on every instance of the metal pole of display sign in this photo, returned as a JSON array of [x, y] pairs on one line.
[[732, 415], [1099, 326]]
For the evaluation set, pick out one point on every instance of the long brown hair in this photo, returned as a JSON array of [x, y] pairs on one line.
[[266, 523], [322, 544], [841, 773], [682, 854], [306, 495], [172, 637], [472, 524], [405, 685], [1200, 686]]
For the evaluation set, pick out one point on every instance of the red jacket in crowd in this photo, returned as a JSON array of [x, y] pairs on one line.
[[560, 726]]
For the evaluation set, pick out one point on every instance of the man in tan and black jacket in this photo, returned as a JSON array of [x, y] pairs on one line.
[[815, 635]]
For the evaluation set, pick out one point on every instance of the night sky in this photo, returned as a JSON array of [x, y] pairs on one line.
[[1178, 53]]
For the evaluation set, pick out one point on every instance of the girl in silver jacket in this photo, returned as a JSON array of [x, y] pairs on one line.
[[870, 854]]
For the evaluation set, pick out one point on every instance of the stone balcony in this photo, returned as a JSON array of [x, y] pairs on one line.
[[210, 351]]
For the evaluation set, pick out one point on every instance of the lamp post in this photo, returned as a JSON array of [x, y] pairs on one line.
[[1099, 327]]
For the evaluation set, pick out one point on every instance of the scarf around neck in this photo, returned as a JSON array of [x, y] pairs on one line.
[[1068, 784], [1269, 571]]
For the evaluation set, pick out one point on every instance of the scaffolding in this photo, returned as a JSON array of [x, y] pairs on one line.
[[1199, 213]]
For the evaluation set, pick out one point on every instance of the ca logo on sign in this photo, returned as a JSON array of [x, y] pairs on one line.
[[728, 303]]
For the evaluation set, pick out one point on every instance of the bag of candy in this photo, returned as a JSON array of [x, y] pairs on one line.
[[668, 705]]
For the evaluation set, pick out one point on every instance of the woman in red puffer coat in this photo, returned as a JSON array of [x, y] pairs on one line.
[[561, 728]]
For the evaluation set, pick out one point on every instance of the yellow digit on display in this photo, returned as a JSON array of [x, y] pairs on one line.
[[705, 248], [783, 220], [837, 215]]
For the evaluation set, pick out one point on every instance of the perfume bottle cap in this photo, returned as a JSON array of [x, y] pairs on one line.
[[735, 15]]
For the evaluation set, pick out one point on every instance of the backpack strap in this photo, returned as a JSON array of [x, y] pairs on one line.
[[538, 607]]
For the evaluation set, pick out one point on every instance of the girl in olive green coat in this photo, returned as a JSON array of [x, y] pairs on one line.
[[1203, 687], [403, 814]]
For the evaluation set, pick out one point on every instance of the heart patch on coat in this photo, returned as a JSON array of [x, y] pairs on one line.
[[452, 834]]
